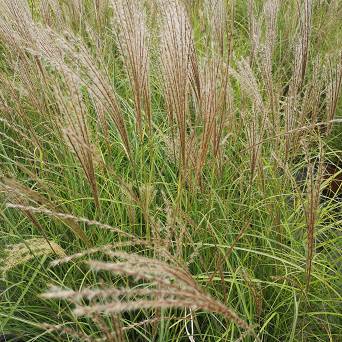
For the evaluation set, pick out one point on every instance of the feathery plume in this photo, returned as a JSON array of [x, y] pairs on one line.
[[133, 40], [214, 79], [75, 129], [21, 253], [176, 48], [302, 45], [216, 13], [256, 120], [170, 287]]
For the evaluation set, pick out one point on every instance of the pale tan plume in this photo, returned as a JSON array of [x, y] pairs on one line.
[[176, 48], [170, 287], [133, 40]]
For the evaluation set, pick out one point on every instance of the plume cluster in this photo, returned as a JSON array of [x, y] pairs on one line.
[[23, 252], [133, 40], [175, 52], [168, 287]]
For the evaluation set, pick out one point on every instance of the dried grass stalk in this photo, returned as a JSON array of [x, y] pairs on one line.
[[169, 287], [176, 49], [302, 54], [216, 13], [311, 207], [333, 91], [265, 59], [21, 253], [254, 30], [256, 120], [133, 39], [292, 102], [214, 81], [75, 129], [263, 34]]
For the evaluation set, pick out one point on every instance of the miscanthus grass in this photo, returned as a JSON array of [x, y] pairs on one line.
[[170, 170]]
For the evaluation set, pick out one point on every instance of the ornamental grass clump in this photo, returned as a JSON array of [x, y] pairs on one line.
[[178, 163]]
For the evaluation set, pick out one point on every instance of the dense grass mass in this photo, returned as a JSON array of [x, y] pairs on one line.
[[170, 170]]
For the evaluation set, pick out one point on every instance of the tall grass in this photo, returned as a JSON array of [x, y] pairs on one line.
[[170, 170]]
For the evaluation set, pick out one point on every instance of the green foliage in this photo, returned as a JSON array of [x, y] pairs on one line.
[[226, 180]]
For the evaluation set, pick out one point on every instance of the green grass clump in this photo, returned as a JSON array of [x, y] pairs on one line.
[[170, 170]]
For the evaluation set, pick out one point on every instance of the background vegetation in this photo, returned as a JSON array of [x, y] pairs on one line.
[[170, 170]]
